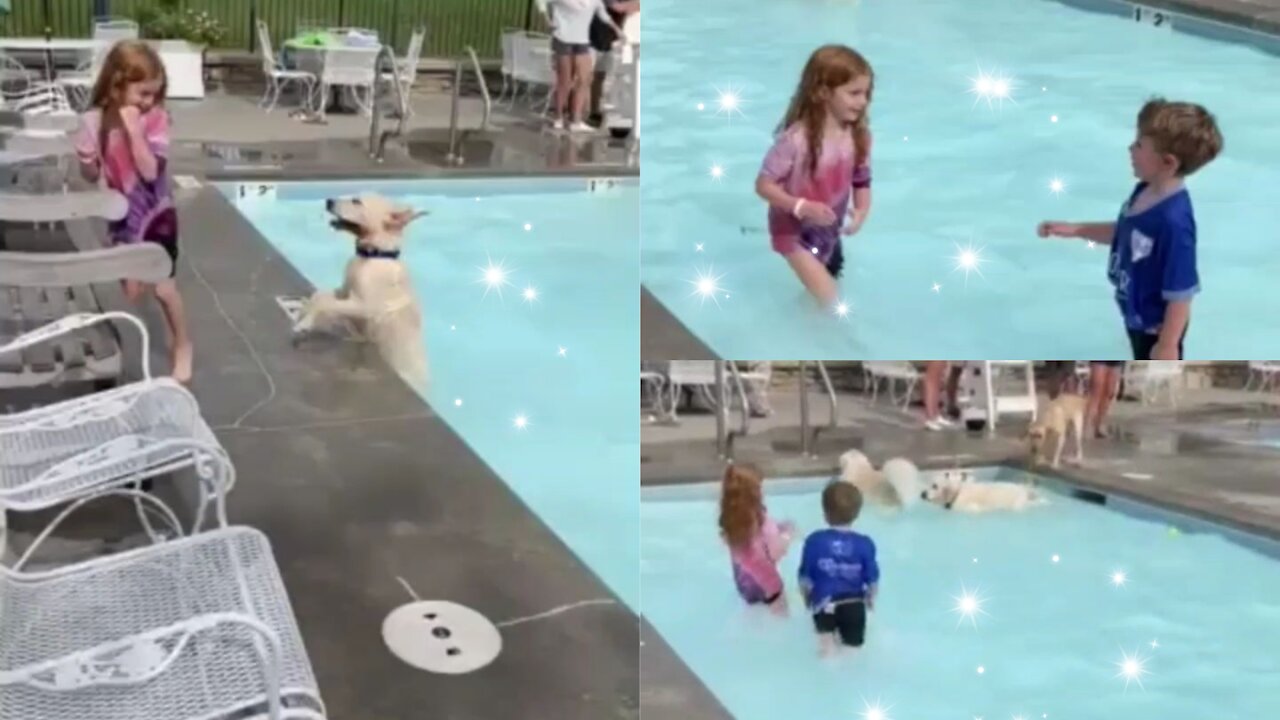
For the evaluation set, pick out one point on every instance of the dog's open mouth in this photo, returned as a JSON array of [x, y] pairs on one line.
[[343, 224]]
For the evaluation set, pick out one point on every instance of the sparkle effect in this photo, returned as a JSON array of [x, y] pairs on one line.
[[981, 669], [1056, 186], [530, 294], [697, 247], [729, 101], [1118, 578], [494, 276], [937, 287], [457, 402], [1055, 558], [995, 88], [528, 227], [1154, 644], [707, 286], [968, 259], [520, 422], [841, 309], [562, 352], [968, 606], [717, 172], [1132, 668], [874, 711]]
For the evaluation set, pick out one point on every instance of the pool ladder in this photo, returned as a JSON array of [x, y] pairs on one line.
[[377, 136], [456, 136], [808, 435]]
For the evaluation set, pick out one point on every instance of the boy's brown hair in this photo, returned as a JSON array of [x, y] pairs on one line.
[[1184, 130], [841, 503]]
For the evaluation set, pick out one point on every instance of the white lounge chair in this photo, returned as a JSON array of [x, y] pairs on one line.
[[277, 76], [891, 373], [406, 71], [1149, 378]]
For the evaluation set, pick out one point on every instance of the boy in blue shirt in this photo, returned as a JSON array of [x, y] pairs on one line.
[[1153, 242], [838, 571]]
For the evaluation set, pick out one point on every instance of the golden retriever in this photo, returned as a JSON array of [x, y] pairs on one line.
[[956, 490], [376, 300], [1066, 411]]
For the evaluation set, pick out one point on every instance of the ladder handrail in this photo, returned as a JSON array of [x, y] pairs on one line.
[[456, 137], [743, 406], [377, 138], [807, 439]]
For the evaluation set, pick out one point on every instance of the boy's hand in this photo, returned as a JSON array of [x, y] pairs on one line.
[[817, 213], [1051, 228], [1164, 351]]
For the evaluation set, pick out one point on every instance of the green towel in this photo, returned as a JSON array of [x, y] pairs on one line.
[[315, 39]]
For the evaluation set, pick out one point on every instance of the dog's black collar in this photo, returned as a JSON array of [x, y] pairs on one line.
[[947, 506], [365, 251]]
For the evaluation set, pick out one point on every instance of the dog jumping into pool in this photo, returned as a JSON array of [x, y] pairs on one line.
[[376, 300]]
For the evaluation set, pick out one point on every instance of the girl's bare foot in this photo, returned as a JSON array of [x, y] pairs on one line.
[[181, 360]]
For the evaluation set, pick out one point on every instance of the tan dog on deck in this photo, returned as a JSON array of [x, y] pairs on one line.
[[1066, 411], [376, 299]]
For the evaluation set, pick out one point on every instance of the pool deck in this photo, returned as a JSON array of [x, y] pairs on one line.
[[1260, 15], [355, 480], [1172, 465]]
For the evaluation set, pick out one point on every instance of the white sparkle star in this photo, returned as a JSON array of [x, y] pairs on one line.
[[874, 711], [1154, 644], [991, 86], [1055, 558], [530, 293], [937, 287], [494, 277], [1056, 186], [520, 422], [968, 259], [968, 606], [457, 402], [1091, 244], [728, 101], [717, 172], [562, 352], [707, 285], [697, 247], [701, 107], [1132, 668], [1118, 578], [1053, 118], [981, 670], [528, 227], [841, 309]]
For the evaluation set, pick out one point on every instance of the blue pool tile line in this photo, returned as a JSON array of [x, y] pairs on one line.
[[451, 187], [1186, 524]]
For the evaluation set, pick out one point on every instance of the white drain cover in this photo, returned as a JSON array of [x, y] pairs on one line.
[[441, 637]]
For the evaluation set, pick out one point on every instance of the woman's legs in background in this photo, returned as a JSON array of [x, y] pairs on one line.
[[1104, 381]]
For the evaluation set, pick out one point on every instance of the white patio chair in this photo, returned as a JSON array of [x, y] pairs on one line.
[[356, 69], [1266, 373], [277, 76], [78, 84], [13, 72], [406, 72], [533, 66], [891, 373], [1149, 378], [113, 30], [509, 40]]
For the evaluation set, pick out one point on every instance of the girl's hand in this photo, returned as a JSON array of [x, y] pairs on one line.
[[817, 213], [131, 118], [1050, 228], [855, 223]]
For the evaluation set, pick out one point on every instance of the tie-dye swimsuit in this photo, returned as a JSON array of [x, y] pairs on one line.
[[838, 174], [152, 217], [755, 567]]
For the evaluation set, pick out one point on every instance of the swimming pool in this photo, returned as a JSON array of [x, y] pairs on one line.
[[1198, 612], [564, 361], [951, 173]]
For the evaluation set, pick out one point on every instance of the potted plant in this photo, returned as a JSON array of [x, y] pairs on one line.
[[180, 37]]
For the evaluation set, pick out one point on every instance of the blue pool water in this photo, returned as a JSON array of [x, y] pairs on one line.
[[949, 174], [575, 462], [1049, 636]]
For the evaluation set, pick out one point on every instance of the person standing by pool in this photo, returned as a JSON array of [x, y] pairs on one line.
[[1104, 385], [570, 23], [934, 371], [819, 162], [1153, 243]]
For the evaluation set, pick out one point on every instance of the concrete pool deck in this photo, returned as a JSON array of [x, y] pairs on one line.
[[1170, 459], [1260, 15]]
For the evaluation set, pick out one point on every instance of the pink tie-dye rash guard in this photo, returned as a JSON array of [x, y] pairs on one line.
[[755, 566], [837, 175], [151, 211]]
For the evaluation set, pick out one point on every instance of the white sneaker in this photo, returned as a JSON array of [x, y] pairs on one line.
[[581, 127], [557, 125], [945, 421], [935, 425]]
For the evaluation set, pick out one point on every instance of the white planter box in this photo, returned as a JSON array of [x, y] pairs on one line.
[[184, 65]]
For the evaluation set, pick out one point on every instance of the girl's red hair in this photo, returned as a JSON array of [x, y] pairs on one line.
[[741, 504], [829, 67]]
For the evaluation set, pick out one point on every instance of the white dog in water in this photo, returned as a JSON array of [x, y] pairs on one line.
[[896, 484], [956, 490], [376, 299]]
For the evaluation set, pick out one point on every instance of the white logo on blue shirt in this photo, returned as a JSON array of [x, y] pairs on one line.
[[1140, 245]]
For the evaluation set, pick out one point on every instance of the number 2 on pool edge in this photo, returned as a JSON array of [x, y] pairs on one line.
[[1157, 18]]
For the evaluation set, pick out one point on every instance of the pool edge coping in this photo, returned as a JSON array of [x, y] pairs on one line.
[[1224, 20]]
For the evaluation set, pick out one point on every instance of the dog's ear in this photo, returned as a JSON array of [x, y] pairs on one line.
[[398, 219]]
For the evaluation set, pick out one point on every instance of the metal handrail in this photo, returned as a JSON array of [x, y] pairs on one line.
[[743, 406], [809, 440], [377, 137], [456, 137]]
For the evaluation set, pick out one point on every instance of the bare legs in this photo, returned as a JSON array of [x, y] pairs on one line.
[[1104, 381], [573, 87], [815, 277], [181, 352], [564, 84]]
